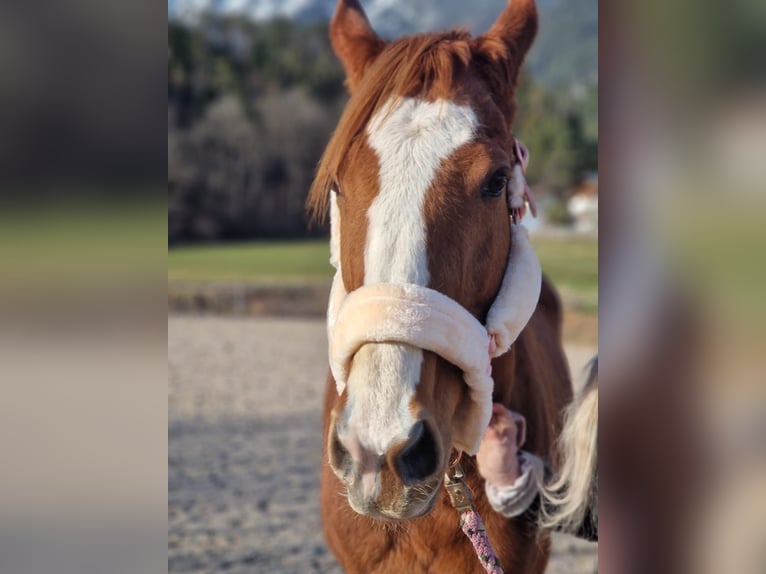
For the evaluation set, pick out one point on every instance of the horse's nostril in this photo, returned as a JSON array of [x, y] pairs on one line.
[[420, 458], [338, 453]]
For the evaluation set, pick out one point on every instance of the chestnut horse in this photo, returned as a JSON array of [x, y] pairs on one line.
[[417, 173]]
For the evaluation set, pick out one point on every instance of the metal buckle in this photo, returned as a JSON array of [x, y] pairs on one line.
[[459, 494]]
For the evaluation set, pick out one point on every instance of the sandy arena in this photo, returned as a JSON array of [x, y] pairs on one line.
[[244, 412]]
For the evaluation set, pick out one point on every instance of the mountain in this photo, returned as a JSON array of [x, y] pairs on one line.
[[565, 54], [389, 17]]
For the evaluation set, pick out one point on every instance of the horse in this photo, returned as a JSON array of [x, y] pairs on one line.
[[416, 178]]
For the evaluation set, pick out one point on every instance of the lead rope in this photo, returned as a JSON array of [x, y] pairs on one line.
[[470, 522]]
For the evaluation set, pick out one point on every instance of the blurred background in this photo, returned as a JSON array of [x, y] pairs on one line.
[[87, 373], [254, 92]]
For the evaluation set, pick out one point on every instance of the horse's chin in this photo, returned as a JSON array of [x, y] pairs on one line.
[[400, 512]]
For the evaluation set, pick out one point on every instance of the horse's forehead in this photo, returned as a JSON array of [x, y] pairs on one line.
[[422, 122], [412, 138]]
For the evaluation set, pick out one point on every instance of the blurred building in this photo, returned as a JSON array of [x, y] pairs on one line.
[[583, 205]]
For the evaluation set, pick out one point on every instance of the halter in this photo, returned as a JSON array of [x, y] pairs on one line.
[[427, 319]]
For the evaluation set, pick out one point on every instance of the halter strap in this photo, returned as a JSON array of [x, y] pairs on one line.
[[425, 318], [519, 192]]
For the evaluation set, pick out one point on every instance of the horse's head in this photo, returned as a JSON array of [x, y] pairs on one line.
[[417, 175]]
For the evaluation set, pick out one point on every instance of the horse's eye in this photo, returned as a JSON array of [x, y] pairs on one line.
[[495, 185]]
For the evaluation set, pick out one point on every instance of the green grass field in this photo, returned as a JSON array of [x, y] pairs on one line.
[[572, 264], [72, 245], [260, 262]]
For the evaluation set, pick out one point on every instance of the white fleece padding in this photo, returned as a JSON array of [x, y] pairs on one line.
[[334, 231], [337, 296], [427, 319], [516, 187], [418, 316], [338, 289], [519, 293]]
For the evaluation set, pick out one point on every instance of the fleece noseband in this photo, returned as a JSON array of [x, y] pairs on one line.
[[427, 319]]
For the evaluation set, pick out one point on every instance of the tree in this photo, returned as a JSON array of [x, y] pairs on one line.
[[552, 127]]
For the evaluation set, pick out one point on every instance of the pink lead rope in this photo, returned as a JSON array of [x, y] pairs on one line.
[[470, 521]]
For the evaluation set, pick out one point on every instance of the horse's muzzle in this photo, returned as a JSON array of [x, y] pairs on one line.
[[401, 484]]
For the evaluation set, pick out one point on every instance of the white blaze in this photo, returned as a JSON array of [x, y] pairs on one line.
[[411, 138], [411, 141]]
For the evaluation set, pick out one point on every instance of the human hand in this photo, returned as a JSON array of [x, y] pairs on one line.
[[497, 457]]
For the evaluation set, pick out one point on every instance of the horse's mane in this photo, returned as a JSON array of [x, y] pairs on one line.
[[406, 67]]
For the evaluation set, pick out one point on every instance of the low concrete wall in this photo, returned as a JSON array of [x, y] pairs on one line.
[[278, 300]]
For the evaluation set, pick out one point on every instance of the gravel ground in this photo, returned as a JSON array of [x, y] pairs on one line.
[[244, 412]]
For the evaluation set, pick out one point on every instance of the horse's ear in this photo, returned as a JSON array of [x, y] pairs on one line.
[[506, 44], [354, 40], [514, 30]]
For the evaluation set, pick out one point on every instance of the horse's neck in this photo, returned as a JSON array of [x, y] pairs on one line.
[[522, 390], [537, 389], [504, 375]]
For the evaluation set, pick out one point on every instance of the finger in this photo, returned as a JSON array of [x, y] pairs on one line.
[[498, 408]]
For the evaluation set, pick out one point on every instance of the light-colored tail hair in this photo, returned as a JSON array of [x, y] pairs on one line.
[[566, 497]]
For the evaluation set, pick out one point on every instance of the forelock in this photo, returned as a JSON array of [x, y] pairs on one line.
[[427, 65]]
